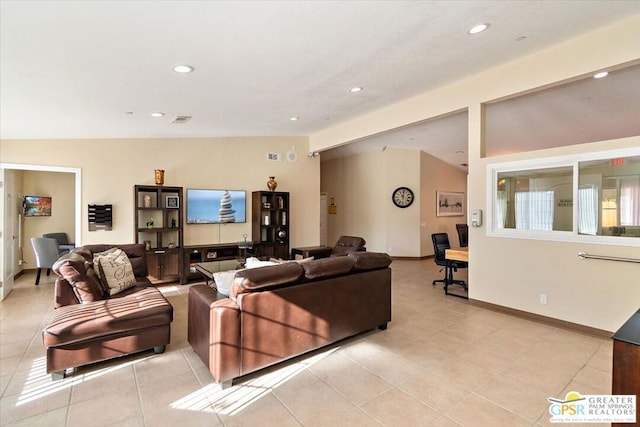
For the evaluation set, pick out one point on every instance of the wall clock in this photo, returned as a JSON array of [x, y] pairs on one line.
[[402, 197]]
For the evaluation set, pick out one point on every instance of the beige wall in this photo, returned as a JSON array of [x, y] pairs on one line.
[[437, 176], [513, 272], [110, 169], [362, 184], [357, 194], [60, 187]]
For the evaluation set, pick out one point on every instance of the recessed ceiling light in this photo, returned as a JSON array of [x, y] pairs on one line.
[[478, 28], [601, 75], [183, 69], [157, 114], [355, 89], [293, 119]]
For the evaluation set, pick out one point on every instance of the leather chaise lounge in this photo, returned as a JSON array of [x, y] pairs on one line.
[[89, 325], [274, 313]]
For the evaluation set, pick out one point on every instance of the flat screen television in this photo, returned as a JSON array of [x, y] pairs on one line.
[[216, 206], [36, 206]]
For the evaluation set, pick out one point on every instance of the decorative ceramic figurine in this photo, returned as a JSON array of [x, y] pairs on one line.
[[272, 183]]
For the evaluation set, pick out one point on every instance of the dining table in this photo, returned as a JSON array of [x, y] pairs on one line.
[[455, 254]]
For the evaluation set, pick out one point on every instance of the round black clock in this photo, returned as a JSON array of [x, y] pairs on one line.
[[402, 197]]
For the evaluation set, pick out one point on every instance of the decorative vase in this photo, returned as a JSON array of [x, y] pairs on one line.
[[272, 183], [159, 174], [147, 201]]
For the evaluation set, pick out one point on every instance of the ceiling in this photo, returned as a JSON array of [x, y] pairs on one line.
[[98, 69]]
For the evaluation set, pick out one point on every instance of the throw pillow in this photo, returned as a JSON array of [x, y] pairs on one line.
[[98, 255], [254, 262], [116, 272], [299, 260], [223, 280]]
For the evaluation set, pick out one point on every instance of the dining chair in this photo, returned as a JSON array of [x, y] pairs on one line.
[[440, 245], [46, 251], [463, 234]]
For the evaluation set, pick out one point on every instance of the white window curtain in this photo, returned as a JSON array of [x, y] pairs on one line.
[[501, 209], [629, 201], [588, 210], [534, 210]]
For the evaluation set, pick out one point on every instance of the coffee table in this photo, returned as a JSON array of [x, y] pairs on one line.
[[207, 269]]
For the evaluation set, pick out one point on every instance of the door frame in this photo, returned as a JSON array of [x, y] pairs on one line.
[[78, 191]]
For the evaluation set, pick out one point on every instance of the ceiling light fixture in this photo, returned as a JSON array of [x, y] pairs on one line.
[[478, 28], [157, 114], [355, 89], [601, 75], [183, 69], [293, 119]]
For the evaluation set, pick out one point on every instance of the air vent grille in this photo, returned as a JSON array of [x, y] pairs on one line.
[[181, 119]]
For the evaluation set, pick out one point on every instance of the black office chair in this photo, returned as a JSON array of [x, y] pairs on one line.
[[440, 245], [463, 234]]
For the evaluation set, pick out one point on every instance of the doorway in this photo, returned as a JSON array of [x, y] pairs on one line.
[[10, 222]]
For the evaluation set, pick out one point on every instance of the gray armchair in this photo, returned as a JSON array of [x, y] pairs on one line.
[[63, 242], [46, 251]]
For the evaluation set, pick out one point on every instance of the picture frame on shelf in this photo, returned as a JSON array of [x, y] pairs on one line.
[[173, 202], [449, 203]]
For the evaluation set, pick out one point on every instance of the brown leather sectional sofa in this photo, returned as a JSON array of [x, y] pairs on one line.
[[88, 325], [277, 312]]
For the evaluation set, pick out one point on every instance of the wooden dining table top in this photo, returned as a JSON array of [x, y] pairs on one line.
[[457, 254]]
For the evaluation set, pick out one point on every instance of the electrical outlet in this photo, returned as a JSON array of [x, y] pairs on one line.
[[543, 298]]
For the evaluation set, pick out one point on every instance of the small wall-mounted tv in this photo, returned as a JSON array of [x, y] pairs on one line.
[[216, 206], [36, 206]]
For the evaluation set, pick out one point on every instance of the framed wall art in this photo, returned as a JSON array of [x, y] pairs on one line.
[[173, 201], [449, 203]]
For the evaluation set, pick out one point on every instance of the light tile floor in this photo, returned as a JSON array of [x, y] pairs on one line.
[[441, 362]]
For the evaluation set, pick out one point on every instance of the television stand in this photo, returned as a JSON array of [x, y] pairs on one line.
[[194, 254]]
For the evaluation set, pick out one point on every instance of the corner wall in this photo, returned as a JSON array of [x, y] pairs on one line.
[[110, 169], [361, 186]]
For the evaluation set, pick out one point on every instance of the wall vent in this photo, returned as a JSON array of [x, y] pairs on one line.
[[274, 157], [181, 119]]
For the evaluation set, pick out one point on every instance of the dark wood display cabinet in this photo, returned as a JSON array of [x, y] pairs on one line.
[[270, 223], [159, 224]]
